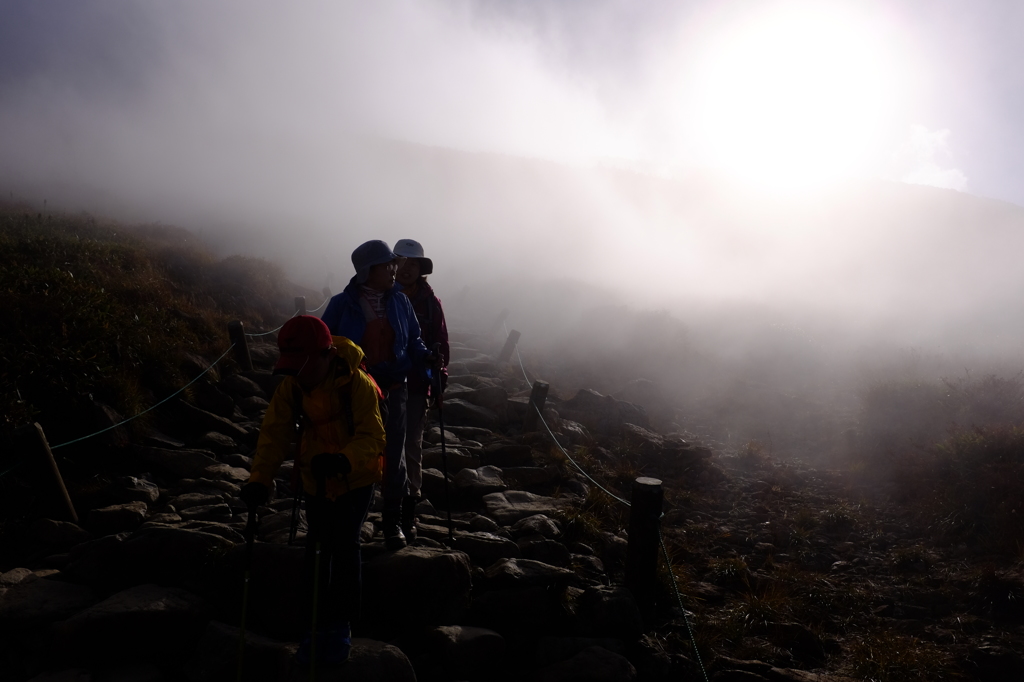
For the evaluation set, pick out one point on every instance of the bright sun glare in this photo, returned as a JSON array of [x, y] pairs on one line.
[[792, 99]]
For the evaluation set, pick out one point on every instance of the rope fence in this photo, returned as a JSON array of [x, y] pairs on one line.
[[234, 346], [617, 498]]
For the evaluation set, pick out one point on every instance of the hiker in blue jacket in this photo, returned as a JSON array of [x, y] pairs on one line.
[[373, 312]]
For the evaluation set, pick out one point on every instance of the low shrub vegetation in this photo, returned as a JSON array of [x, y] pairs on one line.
[[94, 311]]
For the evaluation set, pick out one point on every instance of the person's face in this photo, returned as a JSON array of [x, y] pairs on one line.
[[382, 276], [314, 371], [409, 272]]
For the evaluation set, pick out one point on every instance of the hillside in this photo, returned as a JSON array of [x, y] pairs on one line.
[[901, 561]]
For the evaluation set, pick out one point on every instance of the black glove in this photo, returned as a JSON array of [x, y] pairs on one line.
[[329, 464], [254, 494]]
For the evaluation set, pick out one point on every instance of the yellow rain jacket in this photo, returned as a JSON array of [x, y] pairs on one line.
[[326, 426]]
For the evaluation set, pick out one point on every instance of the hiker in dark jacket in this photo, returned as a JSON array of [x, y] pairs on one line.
[[412, 276], [374, 313]]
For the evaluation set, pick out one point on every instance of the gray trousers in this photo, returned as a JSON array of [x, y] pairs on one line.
[[416, 410], [396, 482]]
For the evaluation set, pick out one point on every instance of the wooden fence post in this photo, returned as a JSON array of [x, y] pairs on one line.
[[326, 292], [300, 305], [510, 345], [642, 553], [538, 395], [47, 455], [502, 316], [236, 332]]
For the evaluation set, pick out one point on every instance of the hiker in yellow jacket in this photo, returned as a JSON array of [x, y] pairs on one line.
[[340, 460]]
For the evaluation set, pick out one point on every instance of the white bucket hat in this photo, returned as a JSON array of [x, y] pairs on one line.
[[410, 248]]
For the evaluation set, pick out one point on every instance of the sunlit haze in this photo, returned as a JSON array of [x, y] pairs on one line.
[[852, 170], [793, 98]]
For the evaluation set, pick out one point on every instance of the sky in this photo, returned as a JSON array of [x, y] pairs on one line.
[[785, 95], [268, 122]]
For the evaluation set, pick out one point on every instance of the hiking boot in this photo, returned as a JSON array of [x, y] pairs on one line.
[[409, 503], [393, 536], [333, 646]]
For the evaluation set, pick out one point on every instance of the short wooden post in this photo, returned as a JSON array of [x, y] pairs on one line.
[[502, 316], [326, 292], [47, 456], [538, 396], [510, 345], [300, 305], [642, 554], [236, 332]]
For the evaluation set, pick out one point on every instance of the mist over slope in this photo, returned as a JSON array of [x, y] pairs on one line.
[[756, 316]]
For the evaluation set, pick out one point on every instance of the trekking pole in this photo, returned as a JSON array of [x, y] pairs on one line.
[[444, 451], [251, 527], [321, 495]]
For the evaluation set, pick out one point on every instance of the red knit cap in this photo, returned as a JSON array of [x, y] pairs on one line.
[[299, 338]]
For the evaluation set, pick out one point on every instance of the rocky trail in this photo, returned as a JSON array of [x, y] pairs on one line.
[[786, 572]]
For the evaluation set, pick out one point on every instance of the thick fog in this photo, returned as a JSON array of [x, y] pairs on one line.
[[566, 161]]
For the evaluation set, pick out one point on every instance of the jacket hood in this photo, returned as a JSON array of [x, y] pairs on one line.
[[348, 353]]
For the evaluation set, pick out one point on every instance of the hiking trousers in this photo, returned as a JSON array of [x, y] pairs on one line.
[[335, 525], [395, 479], [417, 412]]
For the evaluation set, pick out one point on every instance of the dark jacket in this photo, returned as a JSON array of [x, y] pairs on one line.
[[344, 317], [433, 329]]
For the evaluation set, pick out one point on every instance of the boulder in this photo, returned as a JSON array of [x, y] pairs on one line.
[[253, 405], [506, 455], [217, 443], [182, 463], [611, 612], [34, 603], [475, 483], [538, 524], [470, 432], [494, 398], [433, 435], [416, 586], [58, 534], [213, 512], [198, 421], [171, 556], [216, 656], [242, 387], [529, 611], [189, 500], [461, 413], [454, 652], [369, 661], [524, 478], [520, 573], [14, 576], [434, 487], [457, 459], [146, 622], [133, 489], [212, 399], [512, 505], [539, 548], [117, 518], [226, 473], [484, 549], [593, 664], [601, 413]]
